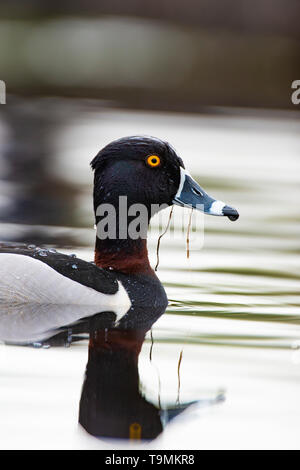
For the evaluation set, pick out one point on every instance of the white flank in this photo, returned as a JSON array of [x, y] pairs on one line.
[[28, 280]]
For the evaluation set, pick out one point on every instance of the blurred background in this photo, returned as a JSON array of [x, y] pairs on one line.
[[164, 54]]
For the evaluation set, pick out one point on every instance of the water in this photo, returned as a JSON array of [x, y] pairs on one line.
[[230, 340]]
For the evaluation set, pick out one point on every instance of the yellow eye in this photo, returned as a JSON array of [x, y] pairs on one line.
[[153, 161]]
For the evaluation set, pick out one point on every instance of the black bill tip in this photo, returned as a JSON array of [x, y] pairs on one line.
[[230, 212]]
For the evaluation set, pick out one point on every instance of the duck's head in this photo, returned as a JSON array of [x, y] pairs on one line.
[[148, 171]]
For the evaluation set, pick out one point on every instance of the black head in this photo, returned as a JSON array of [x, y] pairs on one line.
[[145, 169]]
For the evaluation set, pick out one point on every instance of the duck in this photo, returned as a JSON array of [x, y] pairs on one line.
[[135, 177]]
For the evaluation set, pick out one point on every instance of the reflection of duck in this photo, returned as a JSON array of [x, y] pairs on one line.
[[51, 324], [111, 403], [147, 174]]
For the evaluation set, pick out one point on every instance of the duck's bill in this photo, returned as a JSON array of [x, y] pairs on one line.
[[190, 194]]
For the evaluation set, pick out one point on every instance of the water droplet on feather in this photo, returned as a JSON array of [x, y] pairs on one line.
[[43, 253]]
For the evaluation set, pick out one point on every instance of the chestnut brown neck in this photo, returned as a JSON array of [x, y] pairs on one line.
[[126, 256]]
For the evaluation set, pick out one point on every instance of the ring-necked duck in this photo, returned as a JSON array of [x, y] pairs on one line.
[[146, 172]]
